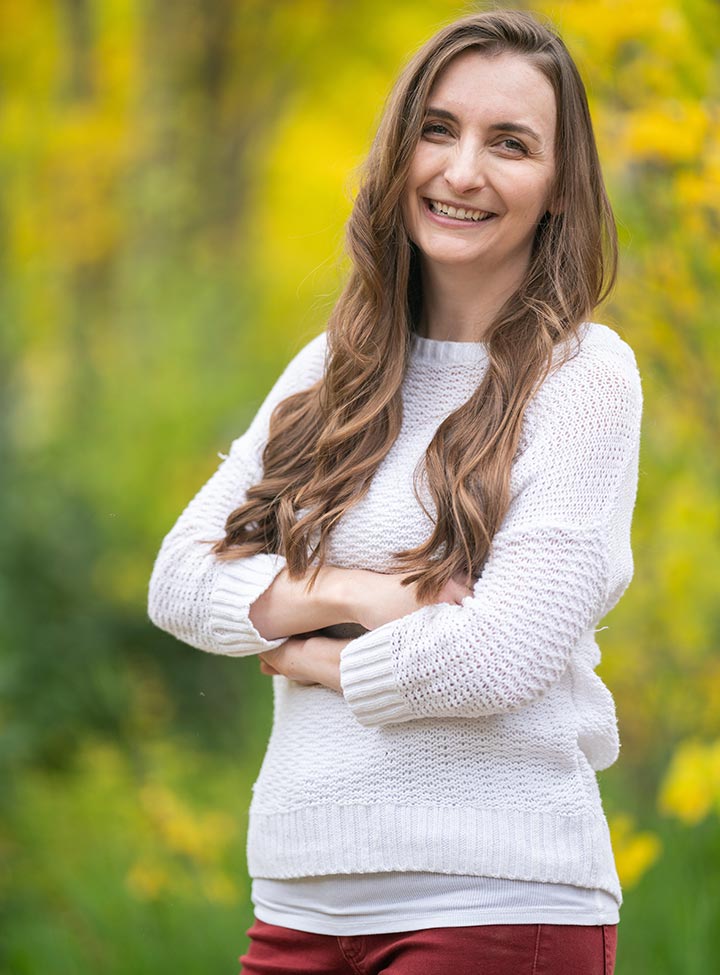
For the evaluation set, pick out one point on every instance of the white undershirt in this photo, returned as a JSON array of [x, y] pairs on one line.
[[377, 903]]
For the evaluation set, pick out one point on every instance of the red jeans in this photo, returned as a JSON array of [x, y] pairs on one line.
[[487, 949]]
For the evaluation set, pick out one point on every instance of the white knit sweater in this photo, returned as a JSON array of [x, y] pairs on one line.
[[466, 738]]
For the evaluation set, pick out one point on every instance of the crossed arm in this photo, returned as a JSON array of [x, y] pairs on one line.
[[339, 597]]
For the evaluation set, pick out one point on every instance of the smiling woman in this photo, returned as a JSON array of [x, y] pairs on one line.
[[469, 168], [418, 536]]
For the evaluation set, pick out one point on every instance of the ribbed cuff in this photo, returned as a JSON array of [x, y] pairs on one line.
[[368, 682], [238, 585]]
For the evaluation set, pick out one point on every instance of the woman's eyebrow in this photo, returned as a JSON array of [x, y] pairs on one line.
[[441, 113], [497, 126], [517, 127]]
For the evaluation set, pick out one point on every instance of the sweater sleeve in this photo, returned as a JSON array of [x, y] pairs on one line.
[[559, 562], [198, 598]]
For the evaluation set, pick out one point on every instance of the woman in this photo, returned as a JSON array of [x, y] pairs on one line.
[[418, 536]]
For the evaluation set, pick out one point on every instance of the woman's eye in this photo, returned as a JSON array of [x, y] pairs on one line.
[[435, 128], [514, 146]]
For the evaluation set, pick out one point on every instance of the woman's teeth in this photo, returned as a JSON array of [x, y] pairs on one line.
[[458, 212]]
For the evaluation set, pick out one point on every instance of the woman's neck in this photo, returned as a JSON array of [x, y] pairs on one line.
[[458, 307]]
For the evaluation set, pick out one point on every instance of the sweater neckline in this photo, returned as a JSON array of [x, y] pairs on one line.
[[443, 350]]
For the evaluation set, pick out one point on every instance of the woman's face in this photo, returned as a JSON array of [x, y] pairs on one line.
[[487, 150]]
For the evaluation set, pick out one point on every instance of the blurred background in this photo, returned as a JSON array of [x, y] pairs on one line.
[[174, 182]]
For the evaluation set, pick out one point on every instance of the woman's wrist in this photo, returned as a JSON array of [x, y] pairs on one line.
[[288, 608], [337, 590]]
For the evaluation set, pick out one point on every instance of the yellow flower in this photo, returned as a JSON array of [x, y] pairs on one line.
[[691, 786], [634, 853], [203, 837], [674, 132]]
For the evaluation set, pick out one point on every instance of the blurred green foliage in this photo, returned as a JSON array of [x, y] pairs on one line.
[[174, 184]]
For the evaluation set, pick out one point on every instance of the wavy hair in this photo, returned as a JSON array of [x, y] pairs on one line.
[[326, 442]]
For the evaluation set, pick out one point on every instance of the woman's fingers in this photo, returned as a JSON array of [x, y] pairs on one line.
[[455, 590], [289, 660]]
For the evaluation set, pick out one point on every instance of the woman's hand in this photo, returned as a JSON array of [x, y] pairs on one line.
[[374, 598], [306, 660]]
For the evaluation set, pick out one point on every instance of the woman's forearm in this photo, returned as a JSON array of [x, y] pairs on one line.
[[358, 597], [286, 608]]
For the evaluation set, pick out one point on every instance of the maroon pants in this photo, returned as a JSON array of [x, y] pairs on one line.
[[487, 949]]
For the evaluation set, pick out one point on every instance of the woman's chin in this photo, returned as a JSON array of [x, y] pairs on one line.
[[448, 258]]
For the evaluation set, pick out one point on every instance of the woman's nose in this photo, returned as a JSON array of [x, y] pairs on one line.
[[465, 169]]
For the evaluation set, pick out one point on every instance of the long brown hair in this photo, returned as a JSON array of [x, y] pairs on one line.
[[326, 442]]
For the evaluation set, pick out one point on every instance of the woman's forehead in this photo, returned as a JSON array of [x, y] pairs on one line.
[[480, 83]]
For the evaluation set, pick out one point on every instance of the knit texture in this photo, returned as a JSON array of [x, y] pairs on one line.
[[466, 738]]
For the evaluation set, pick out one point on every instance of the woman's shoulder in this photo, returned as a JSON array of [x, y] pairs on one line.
[[302, 371], [602, 343], [311, 351], [306, 366], [599, 379], [601, 356]]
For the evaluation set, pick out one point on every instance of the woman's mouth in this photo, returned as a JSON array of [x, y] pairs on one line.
[[461, 214]]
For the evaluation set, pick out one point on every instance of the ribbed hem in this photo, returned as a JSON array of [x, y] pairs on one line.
[[238, 585], [367, 680], [521, 845]]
